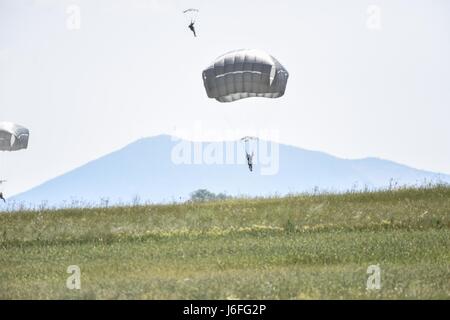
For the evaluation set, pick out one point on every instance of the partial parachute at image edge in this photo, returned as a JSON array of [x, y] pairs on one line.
[[13, 137]]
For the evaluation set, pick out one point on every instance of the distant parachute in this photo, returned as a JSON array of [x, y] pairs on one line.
[[192, 14], [243, 74], [13, 137]]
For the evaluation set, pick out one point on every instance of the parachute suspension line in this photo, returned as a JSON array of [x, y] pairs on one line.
[[250, 145], [192, 14]]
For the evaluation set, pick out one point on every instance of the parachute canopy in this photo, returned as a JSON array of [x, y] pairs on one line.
[[248, 138], [13, 137], [243, 74], [190, 10]]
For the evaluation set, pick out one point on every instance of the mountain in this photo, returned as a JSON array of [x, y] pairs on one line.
[[163, 169]]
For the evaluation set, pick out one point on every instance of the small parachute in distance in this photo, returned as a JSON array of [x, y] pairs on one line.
[[13, 137], [249, 150], [191, 14]]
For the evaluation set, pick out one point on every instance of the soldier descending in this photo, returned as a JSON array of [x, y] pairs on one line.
[[250, 161], [191, 26]]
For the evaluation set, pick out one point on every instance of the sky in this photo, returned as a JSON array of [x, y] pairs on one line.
[[367, 78]]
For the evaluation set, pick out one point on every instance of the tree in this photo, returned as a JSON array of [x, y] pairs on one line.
[[202, 195]]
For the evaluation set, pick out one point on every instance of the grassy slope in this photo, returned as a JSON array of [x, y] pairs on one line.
[[296, 247]]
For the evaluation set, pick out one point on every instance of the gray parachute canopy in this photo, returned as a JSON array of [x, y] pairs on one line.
[[13, 137], [243, 74], [190, 10]]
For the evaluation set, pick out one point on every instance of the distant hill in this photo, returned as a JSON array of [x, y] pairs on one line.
[[146, 169]]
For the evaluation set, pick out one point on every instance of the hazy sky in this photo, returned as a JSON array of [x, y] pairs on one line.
[[133, 70]]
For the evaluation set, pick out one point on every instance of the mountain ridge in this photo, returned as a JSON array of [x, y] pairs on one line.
[[147, 168]]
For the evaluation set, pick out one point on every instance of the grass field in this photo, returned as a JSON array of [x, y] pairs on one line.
[[299, 247]]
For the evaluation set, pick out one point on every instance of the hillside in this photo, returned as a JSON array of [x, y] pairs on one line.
[[298, 247], [146, 169]]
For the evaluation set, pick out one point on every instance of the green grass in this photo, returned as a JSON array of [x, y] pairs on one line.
[[298, 247]]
